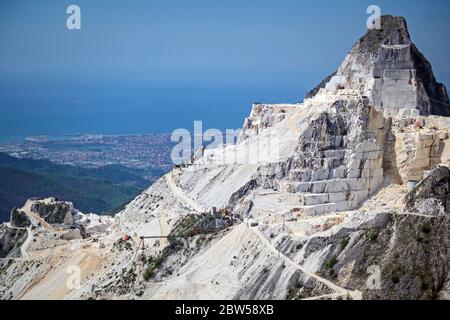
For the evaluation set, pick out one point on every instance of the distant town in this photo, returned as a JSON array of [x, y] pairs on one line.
[[143, 152]]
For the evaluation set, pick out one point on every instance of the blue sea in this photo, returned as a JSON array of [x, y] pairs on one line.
[[34, 107]]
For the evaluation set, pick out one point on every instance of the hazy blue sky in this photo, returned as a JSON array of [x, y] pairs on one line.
[[237, 38], [146, 65]]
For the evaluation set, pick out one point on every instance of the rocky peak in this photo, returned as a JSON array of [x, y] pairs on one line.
[[53, 211], [385, 66], [394, 31]]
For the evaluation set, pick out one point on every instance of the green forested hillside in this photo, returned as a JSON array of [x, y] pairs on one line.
[[102, 190]]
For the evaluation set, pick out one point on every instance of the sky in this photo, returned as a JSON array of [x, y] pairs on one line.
[[244, 38], [268, 42]]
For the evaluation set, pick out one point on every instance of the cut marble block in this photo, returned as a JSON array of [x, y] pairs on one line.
[[320, 174], [329, 163], [367, 146], [341, 185], [339, 154], [310, 199], [370, 184], [338, 173], [318, 209], [303, 187], [420, 163], [319, 187], [423, 137], [354, 164], [369, 173], [373, 164], [354, 173], [426, 144], [306, 176], [369, 155], [435, 149]]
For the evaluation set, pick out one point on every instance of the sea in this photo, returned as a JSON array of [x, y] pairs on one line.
[[32, 107]]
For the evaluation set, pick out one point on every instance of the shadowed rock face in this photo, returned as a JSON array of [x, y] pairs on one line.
[[410, 249], [19, 219], [57, 212], [435, 90], [436, 186], [410, 252], [394, 31], [11, 239]]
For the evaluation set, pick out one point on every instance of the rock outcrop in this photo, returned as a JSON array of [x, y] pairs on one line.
[[387, 67], [19, 219], [53, 211], [432, 194], [11, 239]]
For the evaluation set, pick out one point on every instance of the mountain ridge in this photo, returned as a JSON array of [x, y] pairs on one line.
[[342, 196]]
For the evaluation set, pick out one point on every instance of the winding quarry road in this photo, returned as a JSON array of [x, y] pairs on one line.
[[182, 196], [24, 247], [339, 291]]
